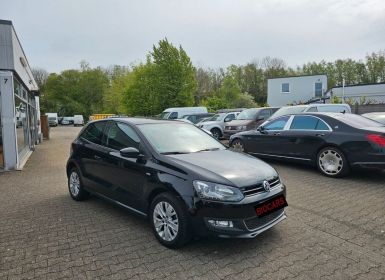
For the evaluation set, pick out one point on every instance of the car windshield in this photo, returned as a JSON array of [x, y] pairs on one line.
[[288, 111], [357, 121], [164, 115], [178, 138], [249, 114], [217, 117]]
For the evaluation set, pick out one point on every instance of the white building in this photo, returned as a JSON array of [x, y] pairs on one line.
[[295, 90], [19, 103], [373, 93]]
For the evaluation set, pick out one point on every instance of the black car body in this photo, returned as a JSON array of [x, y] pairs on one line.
[[321, 139], [116, 160]]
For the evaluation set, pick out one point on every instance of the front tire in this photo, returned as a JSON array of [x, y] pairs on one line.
[[216, 133], [75, 185], [332, 162], [170, 221]]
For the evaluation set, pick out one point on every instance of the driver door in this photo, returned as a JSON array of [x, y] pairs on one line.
[[271, 140]]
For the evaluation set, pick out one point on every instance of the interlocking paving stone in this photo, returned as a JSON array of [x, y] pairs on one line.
[[335, 230]]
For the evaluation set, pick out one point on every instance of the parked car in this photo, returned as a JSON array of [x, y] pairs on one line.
[[216, 124], [196, 118], [78, 120], [53, 119], [67, 120], [334, 142], [176, 175], [333, 108], [248, 119], [376, 116], [175, 113]]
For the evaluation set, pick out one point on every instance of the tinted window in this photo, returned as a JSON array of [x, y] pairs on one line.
[[304, 122], [357, 121], [308, 123], [121, 136], [94, 132], [248, 114], [265, 114], [277, 124]]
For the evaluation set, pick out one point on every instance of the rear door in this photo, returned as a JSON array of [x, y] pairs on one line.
[[306, 135]]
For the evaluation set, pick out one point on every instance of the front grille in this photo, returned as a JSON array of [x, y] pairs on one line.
[[258, 188], [256, 222]]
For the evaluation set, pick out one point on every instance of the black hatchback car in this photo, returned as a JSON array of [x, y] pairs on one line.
[[181, 178], [334, 142]]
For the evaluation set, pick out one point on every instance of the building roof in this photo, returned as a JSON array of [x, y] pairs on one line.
[[360, 85], [298, 76]]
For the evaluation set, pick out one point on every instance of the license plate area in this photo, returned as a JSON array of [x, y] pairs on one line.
[[270, 206]]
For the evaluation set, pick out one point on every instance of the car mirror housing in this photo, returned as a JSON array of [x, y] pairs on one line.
[[129, 152]]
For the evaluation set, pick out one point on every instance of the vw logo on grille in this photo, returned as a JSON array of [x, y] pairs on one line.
[[266, 186]]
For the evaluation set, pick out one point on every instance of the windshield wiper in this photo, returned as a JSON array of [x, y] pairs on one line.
[[208, 150], [175, 153]]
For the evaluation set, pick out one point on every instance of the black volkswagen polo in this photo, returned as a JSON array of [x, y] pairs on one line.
[[185, 181]]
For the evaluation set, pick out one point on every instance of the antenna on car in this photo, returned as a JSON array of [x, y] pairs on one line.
[[343, 112]]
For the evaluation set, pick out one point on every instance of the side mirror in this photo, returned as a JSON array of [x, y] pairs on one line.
[[227, 120], [261, 128], [129, 152]]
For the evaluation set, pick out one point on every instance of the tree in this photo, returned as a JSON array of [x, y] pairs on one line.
[[40, 75]]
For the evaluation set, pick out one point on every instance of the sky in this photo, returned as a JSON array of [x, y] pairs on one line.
[[57, 35]]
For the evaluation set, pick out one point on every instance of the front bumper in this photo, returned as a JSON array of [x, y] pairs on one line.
[[242, 215]]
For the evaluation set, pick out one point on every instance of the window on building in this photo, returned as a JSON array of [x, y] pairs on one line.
[[318, 89], [285, 88]]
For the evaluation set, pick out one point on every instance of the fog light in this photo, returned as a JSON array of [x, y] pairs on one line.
[[216, 223]]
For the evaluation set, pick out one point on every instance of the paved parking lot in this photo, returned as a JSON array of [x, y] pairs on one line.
[[335, 230]]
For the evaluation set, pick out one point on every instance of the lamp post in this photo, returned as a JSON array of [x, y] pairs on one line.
[[343, 89]]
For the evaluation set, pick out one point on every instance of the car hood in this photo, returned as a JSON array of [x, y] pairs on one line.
[[226, 167], [209, 123], [239, 122]]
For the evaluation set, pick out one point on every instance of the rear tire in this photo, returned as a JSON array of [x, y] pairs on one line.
[[332, 162], [75, 185], [170, 221], [238, 146]]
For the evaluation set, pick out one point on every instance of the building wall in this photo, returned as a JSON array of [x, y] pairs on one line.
[[374, 92], [6, 53], [302, 89]]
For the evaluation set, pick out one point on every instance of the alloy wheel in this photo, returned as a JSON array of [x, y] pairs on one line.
[[166, 221], [238, 146], [330, 162], [74, 184]]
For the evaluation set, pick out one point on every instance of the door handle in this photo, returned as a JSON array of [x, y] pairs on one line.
[[277, 133], [97, 157], [320, 134]]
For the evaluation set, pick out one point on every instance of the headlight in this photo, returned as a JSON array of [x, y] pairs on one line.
[[219, 192], [241, 127]]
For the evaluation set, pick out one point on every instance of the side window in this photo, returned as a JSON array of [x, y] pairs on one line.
[[264, 114], [312, 109], [173, 116], [94, 132], [321, 125], [121, 136], [304, 122], [277, 124], [230, 117]]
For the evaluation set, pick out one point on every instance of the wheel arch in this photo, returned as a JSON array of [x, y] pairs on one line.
[[331, 145]]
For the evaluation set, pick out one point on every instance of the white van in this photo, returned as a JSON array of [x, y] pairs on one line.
[[334, 108], [179, 112], [53, 120], [78, 120]]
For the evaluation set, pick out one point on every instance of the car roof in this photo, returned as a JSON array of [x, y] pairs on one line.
[[139, 121]]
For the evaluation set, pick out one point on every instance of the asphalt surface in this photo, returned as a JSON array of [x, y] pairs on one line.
[[335, 230]]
